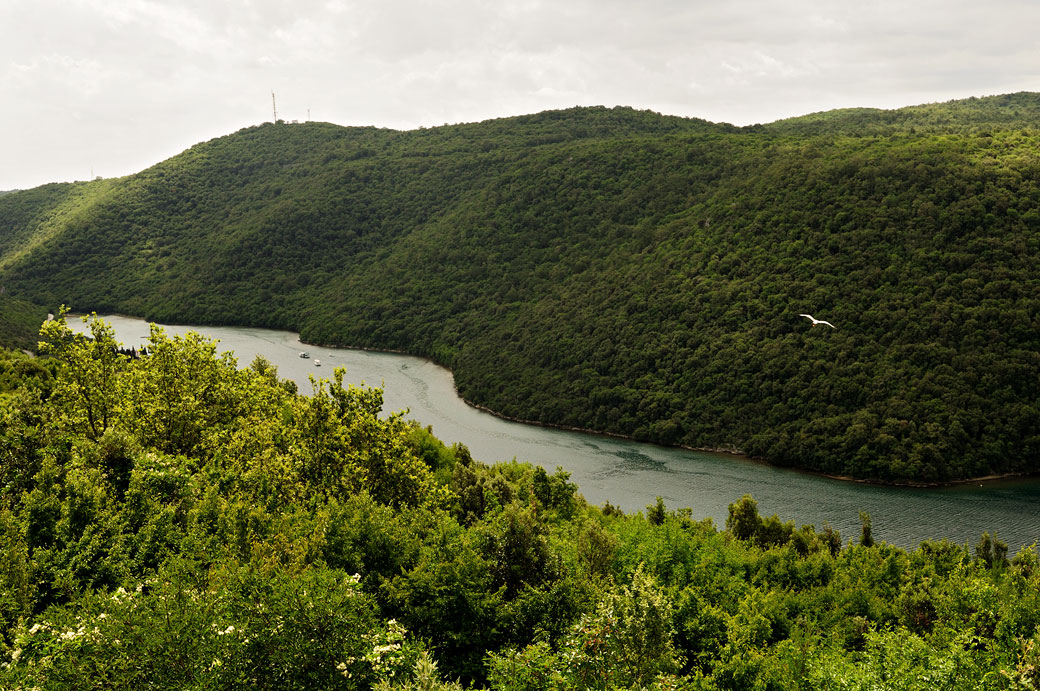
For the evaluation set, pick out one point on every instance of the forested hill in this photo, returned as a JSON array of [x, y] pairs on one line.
[[616, 270]]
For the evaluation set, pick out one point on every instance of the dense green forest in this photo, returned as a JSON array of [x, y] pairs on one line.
[[172, 521], [616, 270]]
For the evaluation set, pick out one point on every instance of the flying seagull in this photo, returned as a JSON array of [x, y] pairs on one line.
[[816, 321]]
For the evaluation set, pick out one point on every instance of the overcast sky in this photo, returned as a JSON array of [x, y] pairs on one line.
[[110, 87]]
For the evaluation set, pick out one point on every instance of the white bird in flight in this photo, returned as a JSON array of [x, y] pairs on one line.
[[816, 321]]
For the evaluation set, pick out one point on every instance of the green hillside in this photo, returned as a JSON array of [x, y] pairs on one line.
[[19, 322], [616, 270]]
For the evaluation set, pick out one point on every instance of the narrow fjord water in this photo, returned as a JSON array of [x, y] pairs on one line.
[[630, 474]]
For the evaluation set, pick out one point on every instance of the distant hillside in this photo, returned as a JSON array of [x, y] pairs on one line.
[[1014, 111], [616, 270]]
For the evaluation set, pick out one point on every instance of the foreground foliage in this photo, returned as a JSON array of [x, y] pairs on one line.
[[616, 270], [175, 522]]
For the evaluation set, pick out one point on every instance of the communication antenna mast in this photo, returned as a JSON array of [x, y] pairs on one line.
[[274, 107]]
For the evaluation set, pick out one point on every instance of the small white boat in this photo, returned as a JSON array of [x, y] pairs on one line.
[[317, 363], [305, 355]]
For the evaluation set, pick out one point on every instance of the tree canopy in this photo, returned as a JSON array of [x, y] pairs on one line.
[[616, 270], [172, 521]]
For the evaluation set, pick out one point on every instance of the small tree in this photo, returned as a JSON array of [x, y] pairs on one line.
[[743, 521], [832, 539], [87, 389], [655, 513], [181, 392], [633, 627], [866, 537], [991, 551], [625, 644]]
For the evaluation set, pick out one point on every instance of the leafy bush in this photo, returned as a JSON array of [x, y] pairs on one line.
[[263, 539]]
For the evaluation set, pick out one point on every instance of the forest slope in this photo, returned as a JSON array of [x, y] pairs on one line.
[[616, 270]]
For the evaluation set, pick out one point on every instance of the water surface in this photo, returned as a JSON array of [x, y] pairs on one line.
[[630, 474]]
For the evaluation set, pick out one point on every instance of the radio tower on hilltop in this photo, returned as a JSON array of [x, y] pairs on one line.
[[274, 107]]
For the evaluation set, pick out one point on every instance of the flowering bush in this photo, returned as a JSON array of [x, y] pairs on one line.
[[255, 626]]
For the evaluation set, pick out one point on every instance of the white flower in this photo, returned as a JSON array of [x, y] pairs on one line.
[[15, 654], [381, 650]]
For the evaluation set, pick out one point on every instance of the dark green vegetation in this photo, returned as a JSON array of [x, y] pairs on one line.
[[616, 270], [19, 322], [173, 522]]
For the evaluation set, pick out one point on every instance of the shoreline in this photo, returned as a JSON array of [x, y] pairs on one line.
[[729, 451], [736, 453], [981, 480]]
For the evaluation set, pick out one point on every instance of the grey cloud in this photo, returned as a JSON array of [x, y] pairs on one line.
[[120, 84]]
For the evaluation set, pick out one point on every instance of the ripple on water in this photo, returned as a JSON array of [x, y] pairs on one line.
[[638, 461]]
